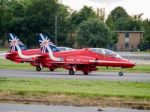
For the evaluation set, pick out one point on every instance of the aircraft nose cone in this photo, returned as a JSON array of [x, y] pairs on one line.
[[132, 64]]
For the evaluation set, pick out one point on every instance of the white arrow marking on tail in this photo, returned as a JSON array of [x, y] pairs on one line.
[[20, 53], [50, 52]]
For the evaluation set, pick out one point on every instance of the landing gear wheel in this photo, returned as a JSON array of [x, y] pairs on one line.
[[120, 73], [38, 68], [86, 73], [71, 72], [51, 69]]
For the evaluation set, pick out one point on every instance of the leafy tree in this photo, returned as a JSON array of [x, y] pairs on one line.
[[25, 18], [135, 24], [78, 18], [94, 33], [128, 24], [63, 28], [115, 15], [146, 26], [121, 24], [120, 20], [5, 17], [40, 17], [146, 41], [84, 14]]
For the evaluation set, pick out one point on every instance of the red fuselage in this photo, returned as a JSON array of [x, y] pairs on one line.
[[14, 56], [85, 60]]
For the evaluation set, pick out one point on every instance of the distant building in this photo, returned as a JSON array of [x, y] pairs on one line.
[[129, 40]]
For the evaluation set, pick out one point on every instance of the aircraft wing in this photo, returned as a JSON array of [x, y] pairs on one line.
[[2, 55]]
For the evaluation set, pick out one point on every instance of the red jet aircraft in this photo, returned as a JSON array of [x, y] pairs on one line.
[[85, 60], [18, 52]]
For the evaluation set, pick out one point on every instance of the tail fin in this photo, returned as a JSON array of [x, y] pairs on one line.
[[47, 46], [14, 43], [17, 45]]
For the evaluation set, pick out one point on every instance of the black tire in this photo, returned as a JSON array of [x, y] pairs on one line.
[[51, 69], [71, 72], [38, 68], [86, 73], [120, 73]]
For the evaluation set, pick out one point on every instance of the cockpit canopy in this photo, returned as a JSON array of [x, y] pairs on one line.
[[105, 52]]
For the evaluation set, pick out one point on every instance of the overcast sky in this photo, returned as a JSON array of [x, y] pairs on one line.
[[132, 6]]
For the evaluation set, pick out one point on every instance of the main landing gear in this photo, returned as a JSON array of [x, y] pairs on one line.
[[71, 72], [86, 73], [84, 69], [38, 68], [51, 69]]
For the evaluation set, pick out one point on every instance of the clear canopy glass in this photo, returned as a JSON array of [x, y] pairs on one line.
[[105, 52]]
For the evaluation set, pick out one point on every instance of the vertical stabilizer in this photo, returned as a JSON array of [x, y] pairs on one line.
[[14, 43], [47, 46]]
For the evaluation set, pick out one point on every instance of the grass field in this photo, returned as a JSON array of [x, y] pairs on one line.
[[5, 64], [78, 92], [135, 90], [4, 49]]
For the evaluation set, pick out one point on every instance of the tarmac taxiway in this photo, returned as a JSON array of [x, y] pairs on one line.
[[111, 76]]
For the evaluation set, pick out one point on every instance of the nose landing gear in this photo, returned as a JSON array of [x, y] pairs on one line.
[[71, 72], [120, 73], [39, 67]]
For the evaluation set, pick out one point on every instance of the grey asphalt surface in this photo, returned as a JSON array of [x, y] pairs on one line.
[[47, 108], [139, 77]]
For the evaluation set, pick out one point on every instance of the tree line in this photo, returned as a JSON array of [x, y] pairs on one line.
[[80, 28]]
